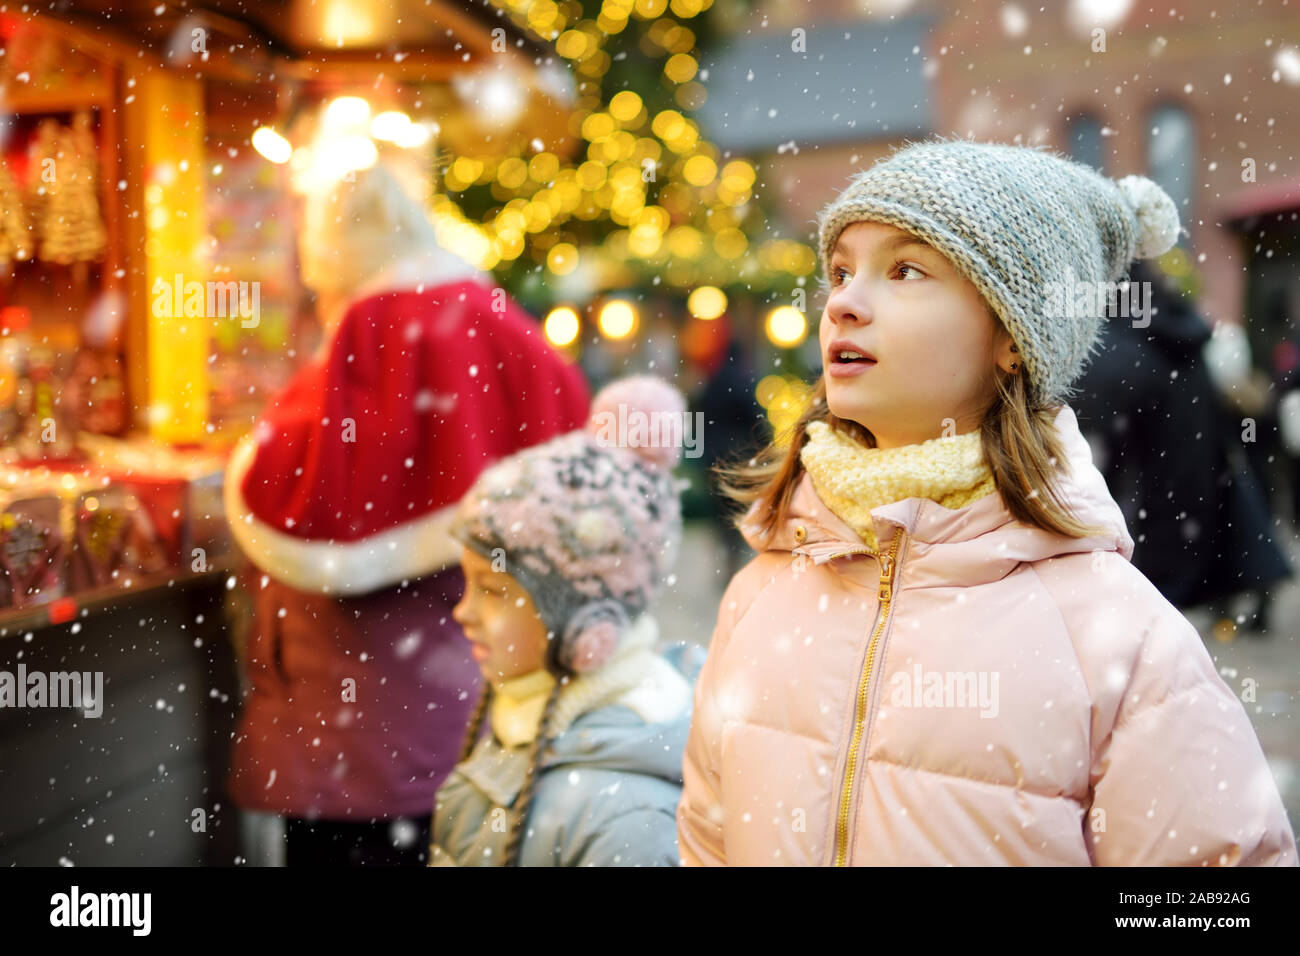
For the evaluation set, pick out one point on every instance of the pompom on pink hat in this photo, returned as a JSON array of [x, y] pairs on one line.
[[589, 522]]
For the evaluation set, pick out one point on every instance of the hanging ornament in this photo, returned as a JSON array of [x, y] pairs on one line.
[[15, 239], [42, 166], [71, 227]]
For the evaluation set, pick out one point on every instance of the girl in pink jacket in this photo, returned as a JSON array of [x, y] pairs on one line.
[[941, 654]]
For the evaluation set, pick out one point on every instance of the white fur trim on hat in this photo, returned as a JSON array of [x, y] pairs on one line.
[[403, 553]]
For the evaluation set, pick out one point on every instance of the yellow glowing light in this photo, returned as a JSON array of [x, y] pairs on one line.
[[512, 172], [591, 175], [740, 172], [570, 194], [625, 106], [676, 38], [688, 136], [787, 403], [707, 302], [685, 242], [680, 67], [769, 389], [626, 203], [699, 170], [538, 215], [624, 145], [573, 44], [509, 246], [597, 126], [656, 216], [668, 125], [647, 148], [730, 243], [608, 24], [543, 167], [561, 326], [542, 15], [511, 219], [644, 241], [603, 151], [467, 170], [617, 319], [786, 326], [732, 197], [563, 258], [272, 145]]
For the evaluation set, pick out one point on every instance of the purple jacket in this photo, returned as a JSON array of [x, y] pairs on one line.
[[357, 706]]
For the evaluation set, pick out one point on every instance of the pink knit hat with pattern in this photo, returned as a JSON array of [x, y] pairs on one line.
[[589, 522]]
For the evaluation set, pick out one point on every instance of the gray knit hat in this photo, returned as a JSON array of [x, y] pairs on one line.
[[1016, 221]]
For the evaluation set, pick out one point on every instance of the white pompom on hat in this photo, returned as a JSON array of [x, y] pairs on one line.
[[650, 398], [1156, 214]]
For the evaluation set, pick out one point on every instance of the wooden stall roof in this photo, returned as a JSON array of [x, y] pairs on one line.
[[425, 40]]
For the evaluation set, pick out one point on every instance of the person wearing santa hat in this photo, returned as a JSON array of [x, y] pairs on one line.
[[360, 683]]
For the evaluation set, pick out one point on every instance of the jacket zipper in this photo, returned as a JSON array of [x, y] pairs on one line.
[[886, 594]]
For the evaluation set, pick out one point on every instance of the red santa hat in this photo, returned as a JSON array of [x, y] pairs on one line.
[[349, 481]]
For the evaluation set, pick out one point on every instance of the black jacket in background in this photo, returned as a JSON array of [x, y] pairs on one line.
[[1200, 522]]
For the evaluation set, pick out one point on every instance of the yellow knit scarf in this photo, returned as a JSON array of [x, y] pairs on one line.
[[851, 478], [635, 677]]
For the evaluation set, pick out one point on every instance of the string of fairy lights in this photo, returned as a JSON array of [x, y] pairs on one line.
[[680, 209], [683, 208]]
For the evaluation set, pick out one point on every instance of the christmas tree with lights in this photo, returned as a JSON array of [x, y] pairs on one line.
[[644, 201]]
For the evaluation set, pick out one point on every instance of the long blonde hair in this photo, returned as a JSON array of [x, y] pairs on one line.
[[1019, 440]]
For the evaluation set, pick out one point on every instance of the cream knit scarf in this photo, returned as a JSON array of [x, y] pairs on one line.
[[851, 478]]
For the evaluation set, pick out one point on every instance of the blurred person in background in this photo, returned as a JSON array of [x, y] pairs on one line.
[[734, 428], [1171, 451], [359, 681], [1286, 382]]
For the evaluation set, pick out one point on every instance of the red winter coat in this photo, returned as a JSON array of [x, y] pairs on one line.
[[342, 497]]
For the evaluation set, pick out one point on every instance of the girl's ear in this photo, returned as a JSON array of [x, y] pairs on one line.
[[1006, 353], [1009, 359]]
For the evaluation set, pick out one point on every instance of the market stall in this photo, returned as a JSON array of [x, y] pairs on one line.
[[149, 305]]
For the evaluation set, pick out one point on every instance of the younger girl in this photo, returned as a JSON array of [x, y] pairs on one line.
[[565, 547], [941, 654]]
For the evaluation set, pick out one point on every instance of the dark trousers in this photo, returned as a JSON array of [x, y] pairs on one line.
[[333, 843]]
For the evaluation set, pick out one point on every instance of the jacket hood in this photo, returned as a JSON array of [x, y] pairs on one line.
[[982, 541], [612, 737], [615, 738]]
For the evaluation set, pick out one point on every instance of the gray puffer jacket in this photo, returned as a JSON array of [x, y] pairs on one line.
[[606, 793]]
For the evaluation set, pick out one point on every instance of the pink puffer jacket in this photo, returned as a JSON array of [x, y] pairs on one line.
[[986, 693]]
